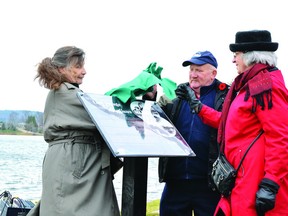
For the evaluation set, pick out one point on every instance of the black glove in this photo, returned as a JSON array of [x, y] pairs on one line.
[[184, 92], [265, 196]]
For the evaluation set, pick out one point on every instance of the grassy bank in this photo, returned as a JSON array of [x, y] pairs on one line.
[[152, 208], [17, 132]]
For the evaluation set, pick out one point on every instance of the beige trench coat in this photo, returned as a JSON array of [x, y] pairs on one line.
[[76, 174]]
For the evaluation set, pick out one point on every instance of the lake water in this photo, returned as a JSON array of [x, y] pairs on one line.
[[21, 169]]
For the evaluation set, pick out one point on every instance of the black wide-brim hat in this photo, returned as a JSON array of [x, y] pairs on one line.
[[255, 40]]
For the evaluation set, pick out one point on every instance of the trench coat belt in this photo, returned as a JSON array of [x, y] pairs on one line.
[[105, 152], [82, 139]]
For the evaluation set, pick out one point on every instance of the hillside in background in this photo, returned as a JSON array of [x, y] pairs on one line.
[[21, 121], [18, 116]]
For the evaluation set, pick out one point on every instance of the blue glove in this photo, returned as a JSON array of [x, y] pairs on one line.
[[184, 92], [265, 196]]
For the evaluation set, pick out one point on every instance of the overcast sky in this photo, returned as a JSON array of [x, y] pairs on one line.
[[121, 38]]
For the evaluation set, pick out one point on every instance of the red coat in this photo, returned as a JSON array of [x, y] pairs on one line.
[[268, 157]]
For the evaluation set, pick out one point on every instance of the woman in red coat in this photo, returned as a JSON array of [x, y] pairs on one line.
[[257, 100]]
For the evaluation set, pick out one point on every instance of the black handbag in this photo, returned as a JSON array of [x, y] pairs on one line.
[[224, 174]]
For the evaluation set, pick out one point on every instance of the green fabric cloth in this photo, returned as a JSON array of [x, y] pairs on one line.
[[144, 83]]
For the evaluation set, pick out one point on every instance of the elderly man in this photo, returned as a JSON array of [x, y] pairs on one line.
[[188, 187]]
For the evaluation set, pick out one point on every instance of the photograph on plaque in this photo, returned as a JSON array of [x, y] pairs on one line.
[[137, 128]]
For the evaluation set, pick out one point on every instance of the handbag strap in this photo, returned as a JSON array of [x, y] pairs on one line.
[[255, 139]]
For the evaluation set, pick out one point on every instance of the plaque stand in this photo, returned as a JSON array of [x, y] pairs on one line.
[[134, 186], [134, 131]]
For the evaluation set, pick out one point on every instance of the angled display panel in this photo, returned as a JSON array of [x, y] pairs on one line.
[[140, 128]]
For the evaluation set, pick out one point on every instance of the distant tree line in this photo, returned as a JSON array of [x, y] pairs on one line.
[[31, 122]]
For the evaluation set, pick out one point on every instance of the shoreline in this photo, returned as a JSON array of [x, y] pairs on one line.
[[19, 132]]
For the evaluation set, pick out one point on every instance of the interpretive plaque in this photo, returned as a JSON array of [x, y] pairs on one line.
[[135, 129]]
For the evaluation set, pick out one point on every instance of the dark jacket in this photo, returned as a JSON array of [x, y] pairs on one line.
[[171, 109]]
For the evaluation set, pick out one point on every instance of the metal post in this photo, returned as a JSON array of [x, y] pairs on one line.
[[134, 190]]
